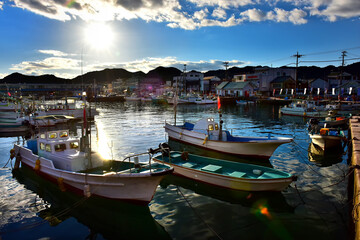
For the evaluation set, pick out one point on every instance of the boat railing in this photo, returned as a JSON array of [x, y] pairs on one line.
[[136, 161]]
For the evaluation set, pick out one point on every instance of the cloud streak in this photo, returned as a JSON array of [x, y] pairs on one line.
[[194, 14]]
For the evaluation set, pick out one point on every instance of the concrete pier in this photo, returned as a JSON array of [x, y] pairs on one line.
[[354, 127]]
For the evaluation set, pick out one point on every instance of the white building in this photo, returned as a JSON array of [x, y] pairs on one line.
[[263, 76]]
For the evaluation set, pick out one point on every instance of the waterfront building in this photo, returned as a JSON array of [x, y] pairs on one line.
[[235, 89]]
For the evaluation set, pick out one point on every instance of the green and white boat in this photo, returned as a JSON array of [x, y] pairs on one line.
[[227, 174]]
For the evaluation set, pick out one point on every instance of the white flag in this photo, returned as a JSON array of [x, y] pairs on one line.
[[304, 91], [318, 91], [333, 91]]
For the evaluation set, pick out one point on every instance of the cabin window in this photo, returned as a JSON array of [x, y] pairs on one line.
[[211, 127], [60, 147], [216, 126], [42, 136], [42, 146], [52, 135], [74, 145], [48, 147], [64, 134]]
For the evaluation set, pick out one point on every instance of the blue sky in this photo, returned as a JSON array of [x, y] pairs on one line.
[[56, 36]]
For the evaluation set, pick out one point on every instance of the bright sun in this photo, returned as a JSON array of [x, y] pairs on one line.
[[99, 35]]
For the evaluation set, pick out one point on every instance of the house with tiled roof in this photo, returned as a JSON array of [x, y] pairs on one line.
[[282, 82], [235, 89]]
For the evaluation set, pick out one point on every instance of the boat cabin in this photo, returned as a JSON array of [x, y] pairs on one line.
[[62, 150], [209, 127]]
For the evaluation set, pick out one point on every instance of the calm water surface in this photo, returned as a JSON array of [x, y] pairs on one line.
[[314, 207]]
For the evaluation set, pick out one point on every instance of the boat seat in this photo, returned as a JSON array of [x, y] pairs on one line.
[[188, 164], [268, 175], [212, 168], [237, 174]]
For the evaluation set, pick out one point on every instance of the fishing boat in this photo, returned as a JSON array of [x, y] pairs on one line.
[[304, 109], [58, 157], [49, 120], [207, 134], [341, 122], [226, 174], [328, 139], [205, 100]]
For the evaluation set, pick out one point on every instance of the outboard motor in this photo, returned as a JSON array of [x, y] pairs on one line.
[[164, 148], [313, 125]]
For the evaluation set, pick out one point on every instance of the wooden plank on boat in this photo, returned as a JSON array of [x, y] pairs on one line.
[[188, 165], [212, 168], [237, 174]]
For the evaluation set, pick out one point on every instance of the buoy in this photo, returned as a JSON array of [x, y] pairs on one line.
[[87, 192], [205, 140], [185, 156], [12, 153], [17, 162], [37, 165], [60, 181]]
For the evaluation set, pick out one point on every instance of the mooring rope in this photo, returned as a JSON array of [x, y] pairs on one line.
[[197, 214]]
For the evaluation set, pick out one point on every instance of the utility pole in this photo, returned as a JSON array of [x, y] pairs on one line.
[[226, 64], [297, 55], [342, 67], [184, 79]]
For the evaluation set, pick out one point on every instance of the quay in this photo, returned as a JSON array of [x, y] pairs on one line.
[[354, 128]]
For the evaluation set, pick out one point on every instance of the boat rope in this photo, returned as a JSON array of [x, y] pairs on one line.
[[196, 213]]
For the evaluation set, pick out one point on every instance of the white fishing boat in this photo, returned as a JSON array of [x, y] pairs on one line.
[[206, 100], [69, 109], [49, 120], [226, 174], [207, 134], [304, 109], [327, 138], [57, 156]]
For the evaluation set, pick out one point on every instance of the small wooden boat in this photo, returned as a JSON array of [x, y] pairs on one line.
[[207, 134], [328, 138], [226, 174], [57, 156]]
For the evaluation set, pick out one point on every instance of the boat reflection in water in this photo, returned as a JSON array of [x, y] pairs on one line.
[[273, 201], [112, 219], [325, 158]]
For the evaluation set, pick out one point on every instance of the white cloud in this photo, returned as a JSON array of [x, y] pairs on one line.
[[222, 3], [1, 7], [294, 16], [193, 14], [219, 13], [47, 65], [55, 53]]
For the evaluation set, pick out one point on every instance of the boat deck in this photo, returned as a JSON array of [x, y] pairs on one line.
[[252, 172]]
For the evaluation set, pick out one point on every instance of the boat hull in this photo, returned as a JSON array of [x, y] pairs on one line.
[[326, 142], [257, 149], [138, 188]]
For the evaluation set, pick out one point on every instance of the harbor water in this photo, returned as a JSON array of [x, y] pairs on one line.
[[316, 206]]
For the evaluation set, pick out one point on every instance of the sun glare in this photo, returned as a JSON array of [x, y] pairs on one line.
[[99, 35]]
